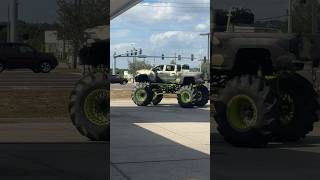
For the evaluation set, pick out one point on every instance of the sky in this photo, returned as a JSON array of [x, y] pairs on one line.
[[162, 27], [173, 26], [36, 11]]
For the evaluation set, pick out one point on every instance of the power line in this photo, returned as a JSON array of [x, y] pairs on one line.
[[188, 7], [172, 2], [274, 17]]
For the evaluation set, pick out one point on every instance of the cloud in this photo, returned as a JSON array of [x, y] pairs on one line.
[[201, 27], [172, 37], [152, 13]]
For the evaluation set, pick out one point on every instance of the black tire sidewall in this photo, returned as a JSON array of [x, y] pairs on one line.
[[81, 91]]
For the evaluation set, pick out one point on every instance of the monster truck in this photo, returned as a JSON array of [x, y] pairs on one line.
[[152, 84], [89, 100], [262, 95]]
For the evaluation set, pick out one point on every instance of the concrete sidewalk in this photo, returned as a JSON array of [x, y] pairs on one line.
[[159, 142]]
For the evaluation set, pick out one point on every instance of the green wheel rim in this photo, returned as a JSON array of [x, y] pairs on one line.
[[96, 108], [185, 97], [141, 95], [242, 113]]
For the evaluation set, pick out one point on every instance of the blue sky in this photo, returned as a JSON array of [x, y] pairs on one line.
[[162, 27]]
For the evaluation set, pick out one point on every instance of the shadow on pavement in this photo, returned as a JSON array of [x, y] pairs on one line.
[[293, 161], [52, 161]]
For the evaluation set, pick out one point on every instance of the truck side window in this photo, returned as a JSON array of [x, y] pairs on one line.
[[179, 68], [169, 68]]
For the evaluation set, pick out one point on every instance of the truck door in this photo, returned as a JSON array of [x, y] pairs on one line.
[[168, 75]]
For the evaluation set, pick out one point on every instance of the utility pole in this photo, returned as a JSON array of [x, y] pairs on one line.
[[229, 20], [209, 37], [315, 6], [8, 24], [13, 20], [290, 17]]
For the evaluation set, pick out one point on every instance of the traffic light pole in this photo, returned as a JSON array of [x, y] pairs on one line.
[[115, 56]]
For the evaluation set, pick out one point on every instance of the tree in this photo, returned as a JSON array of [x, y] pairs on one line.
[[138, 65], [173, 61], [78, 15], [205, 69], [302, 16]]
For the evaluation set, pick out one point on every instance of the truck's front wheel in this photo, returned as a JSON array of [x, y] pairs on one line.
[[142, 94], [244, 112], [89, 107]]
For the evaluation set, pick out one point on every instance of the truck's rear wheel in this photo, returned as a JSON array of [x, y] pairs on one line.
[[185, 96], [142, 94], [201, 96], [89, 107], [244, 112], [298, 109]]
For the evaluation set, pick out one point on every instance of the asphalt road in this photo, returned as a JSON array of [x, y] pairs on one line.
[[54, 161], [28, 79], [159, 142]]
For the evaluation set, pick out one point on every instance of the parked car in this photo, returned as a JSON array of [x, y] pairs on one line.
[[19, 55], [118, 79]]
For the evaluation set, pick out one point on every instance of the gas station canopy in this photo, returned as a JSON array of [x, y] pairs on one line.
[[117, 7]]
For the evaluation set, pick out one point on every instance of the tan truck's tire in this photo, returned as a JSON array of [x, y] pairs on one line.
[[89, 107], [298, 109], [245, 112], [185, 96], [142, 94], [201, 96]]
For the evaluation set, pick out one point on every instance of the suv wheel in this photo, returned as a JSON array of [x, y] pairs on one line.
[[1, 67], [45, 67]]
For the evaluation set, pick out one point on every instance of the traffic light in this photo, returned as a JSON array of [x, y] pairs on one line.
[[131, 52], [192, 57], [127, 53], [162, 56], [135, 52], [140, 51], [179, 57]]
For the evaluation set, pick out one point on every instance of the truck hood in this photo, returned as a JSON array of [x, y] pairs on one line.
[[144, 71]]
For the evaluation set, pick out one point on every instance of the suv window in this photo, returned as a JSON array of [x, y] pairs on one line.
[[169, 68], [8, 49], [25, 49]]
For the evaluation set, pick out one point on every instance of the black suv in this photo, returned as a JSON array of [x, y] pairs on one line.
[[18, 55], [118, 79]]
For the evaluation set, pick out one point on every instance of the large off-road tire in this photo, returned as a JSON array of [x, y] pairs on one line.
[[185, 96], [297, 109], [201, 96], [244, 112], [157, 98], [89, 107], [142, 94]]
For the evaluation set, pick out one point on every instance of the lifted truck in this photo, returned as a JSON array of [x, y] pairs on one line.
[[261, 94], [152, 84]]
